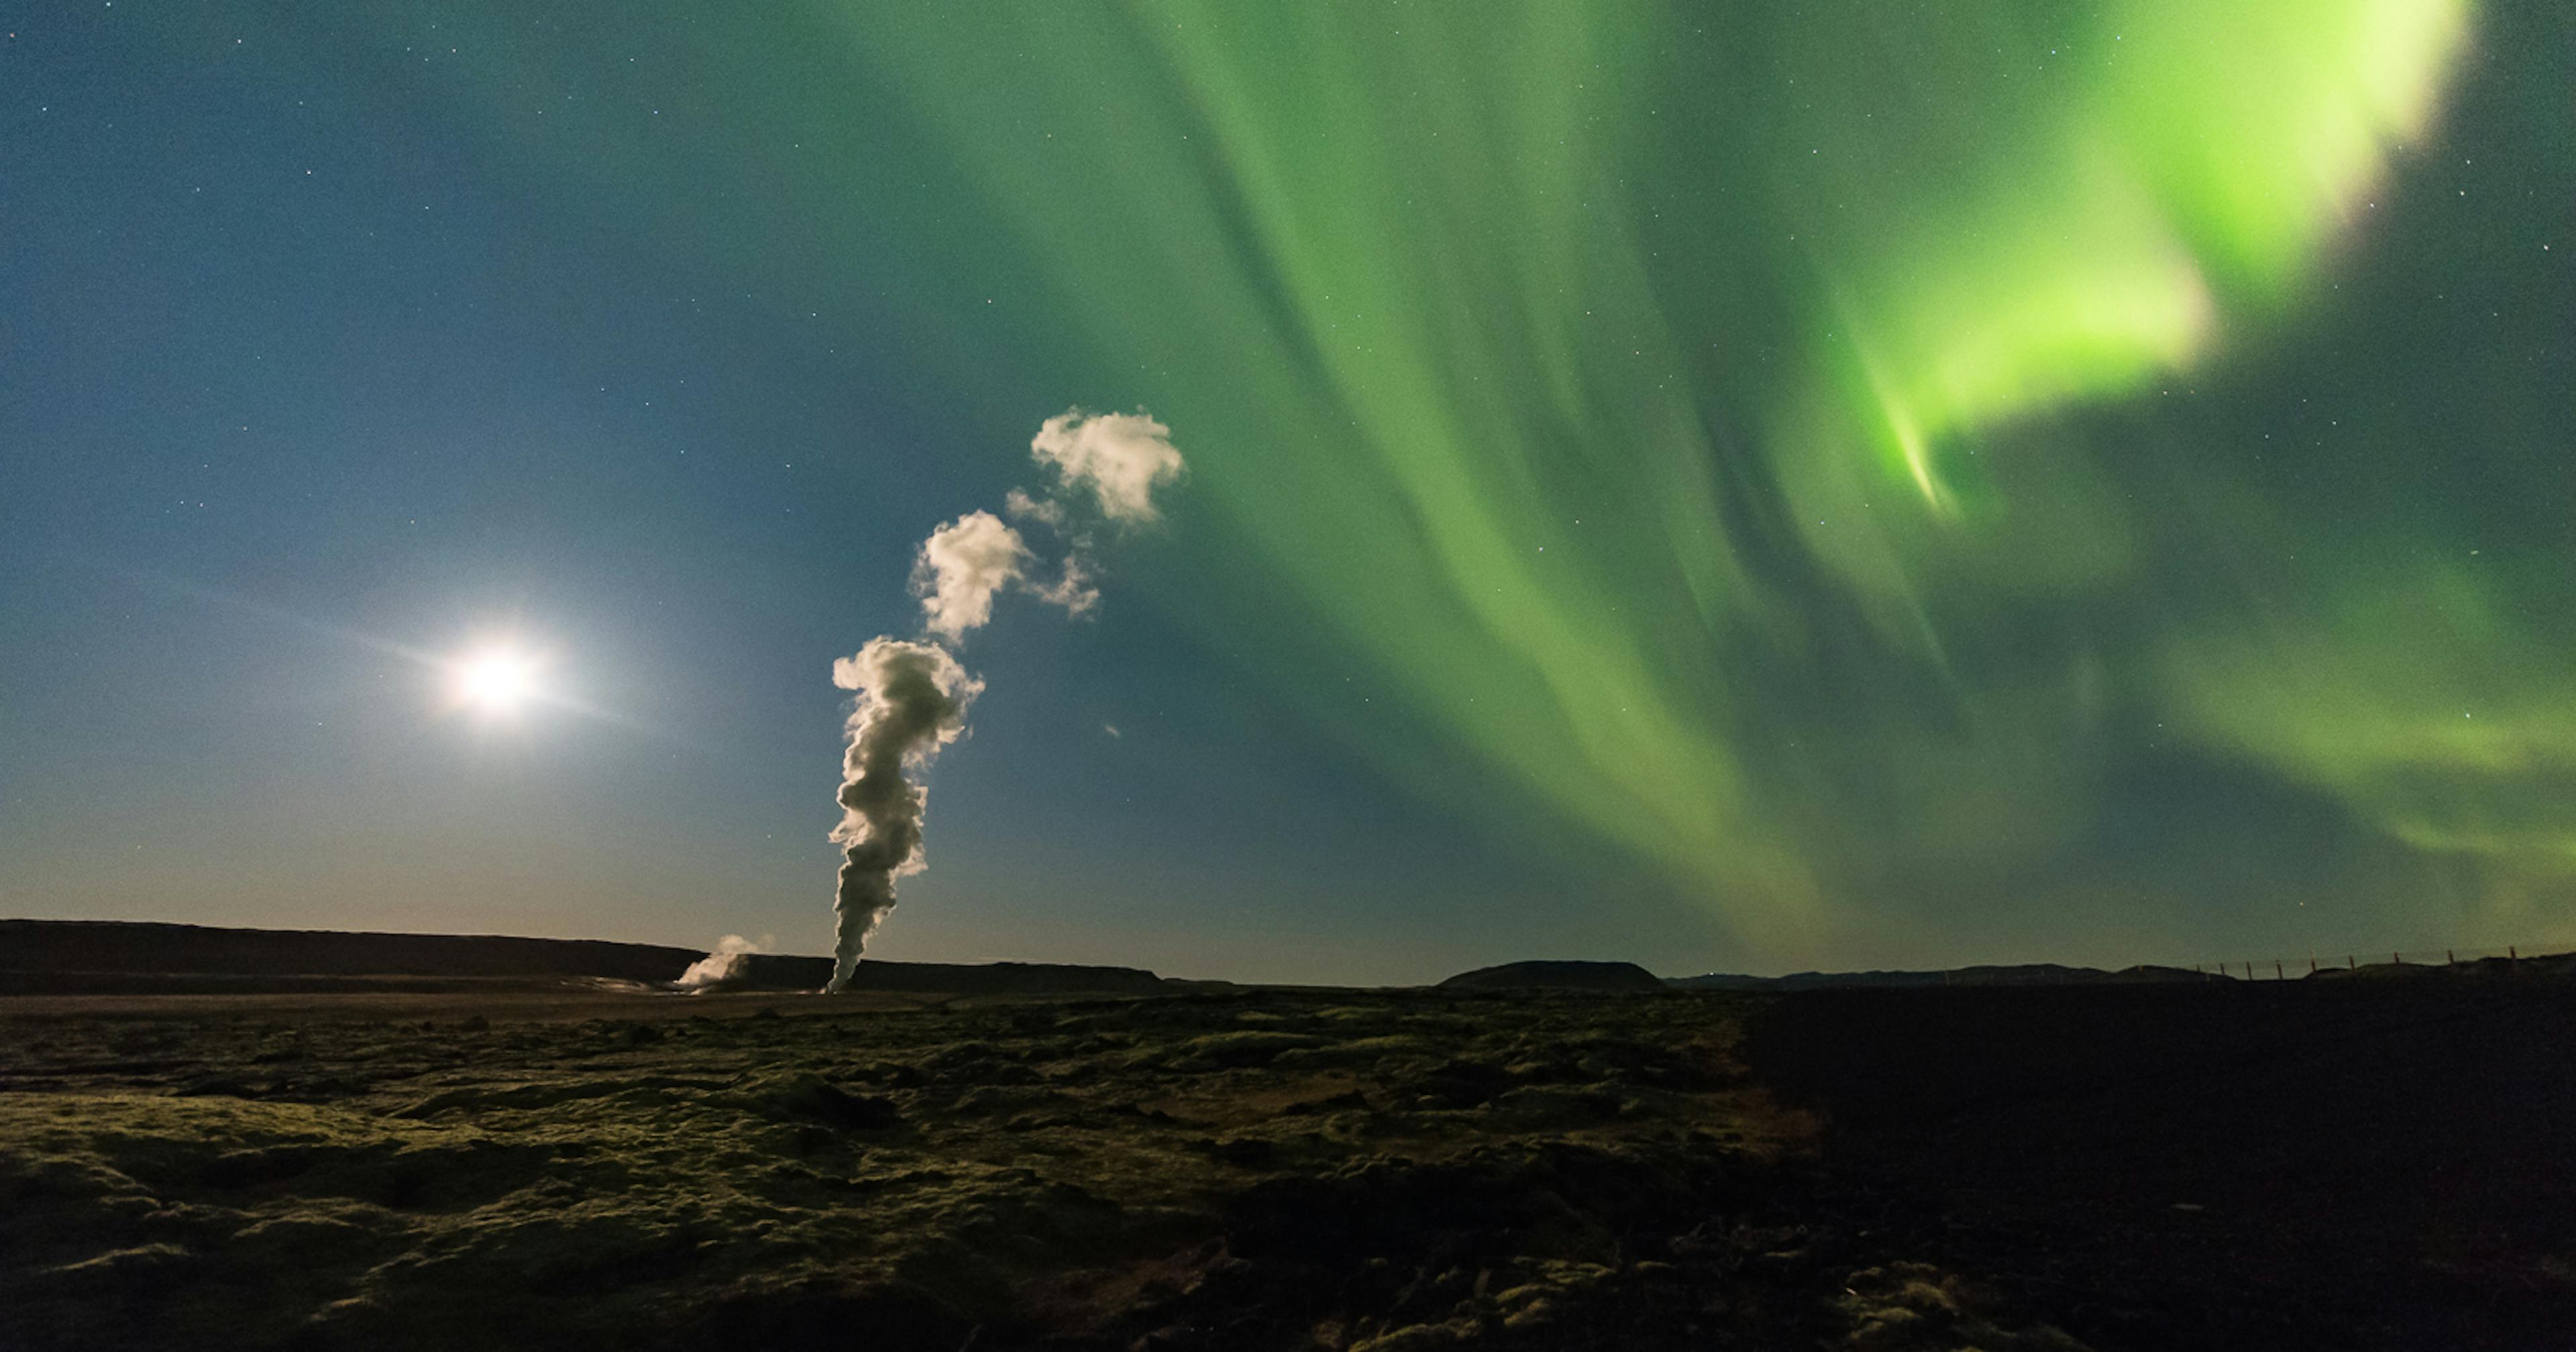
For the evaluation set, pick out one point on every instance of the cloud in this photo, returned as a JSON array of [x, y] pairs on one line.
[[1078, 590], [1117, 458], [961, 565], [1045, 511]]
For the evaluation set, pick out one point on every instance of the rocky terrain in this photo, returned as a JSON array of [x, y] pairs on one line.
[[2362, 1165]]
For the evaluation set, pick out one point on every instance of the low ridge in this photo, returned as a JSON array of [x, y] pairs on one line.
[[1585, 976], [64, 957]]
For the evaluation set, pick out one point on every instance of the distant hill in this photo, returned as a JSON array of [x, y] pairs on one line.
[[135, 946], [1585, 976], [995, 978], [109, 956]]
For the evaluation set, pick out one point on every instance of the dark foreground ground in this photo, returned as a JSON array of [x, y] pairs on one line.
[[2364, 1166]]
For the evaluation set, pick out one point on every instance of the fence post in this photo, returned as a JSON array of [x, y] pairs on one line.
[[2450, 959], [2349, 963], [2397, 958], [2312, 964], [2249, 971], [2276, 970]]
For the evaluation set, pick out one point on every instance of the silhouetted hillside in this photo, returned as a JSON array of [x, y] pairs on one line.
[[997, 978], [1587, 976], [134, 946], [60, 957]]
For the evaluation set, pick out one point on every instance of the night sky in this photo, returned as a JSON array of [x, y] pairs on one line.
[[1724, 486]]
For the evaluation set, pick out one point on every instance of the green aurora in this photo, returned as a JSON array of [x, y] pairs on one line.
[[1843, 458]]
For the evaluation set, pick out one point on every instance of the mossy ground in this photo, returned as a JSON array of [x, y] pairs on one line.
[[2364, 1165], [1260, 1170]]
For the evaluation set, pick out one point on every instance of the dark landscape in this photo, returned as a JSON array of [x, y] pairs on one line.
[[1539, 1156], [1313, 528]]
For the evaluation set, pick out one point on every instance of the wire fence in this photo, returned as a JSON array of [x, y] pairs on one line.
[[2508, 958]]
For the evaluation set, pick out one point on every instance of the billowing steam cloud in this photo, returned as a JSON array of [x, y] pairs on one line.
[[1045, 511], [1075, 590], [960, 567], [1107, 467], [912, 701], [1111, 461], [1118, 458], [730, 962], [913, 696]]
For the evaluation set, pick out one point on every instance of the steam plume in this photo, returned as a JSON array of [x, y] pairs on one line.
[[912, 701], [960, 566], [1077, 590], [1045, 511], [1119, 459], [913, 696], [726, 965], [1107, 467]]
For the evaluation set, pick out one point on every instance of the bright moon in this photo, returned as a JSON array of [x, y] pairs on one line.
[[497, 681]]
